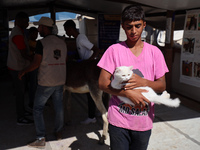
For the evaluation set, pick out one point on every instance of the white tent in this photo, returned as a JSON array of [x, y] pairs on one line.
[[155, 10]]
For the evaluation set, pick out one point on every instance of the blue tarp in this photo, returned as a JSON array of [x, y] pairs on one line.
[[59, 16]]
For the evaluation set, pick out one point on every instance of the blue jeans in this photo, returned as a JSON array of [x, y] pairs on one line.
[[43, 93], [32, 86], [124, 139]]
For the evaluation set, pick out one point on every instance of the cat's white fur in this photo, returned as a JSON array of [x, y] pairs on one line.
[[124, 73]]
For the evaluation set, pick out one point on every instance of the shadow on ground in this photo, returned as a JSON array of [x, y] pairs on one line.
[[13, 135], [78, 136]]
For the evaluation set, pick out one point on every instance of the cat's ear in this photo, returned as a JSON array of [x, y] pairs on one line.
[[117, 69], [131, 67]]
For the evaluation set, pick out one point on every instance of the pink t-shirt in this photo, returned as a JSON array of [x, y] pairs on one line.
[[151, 65]]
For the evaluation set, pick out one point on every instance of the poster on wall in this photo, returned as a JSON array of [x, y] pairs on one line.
[[190, 53]]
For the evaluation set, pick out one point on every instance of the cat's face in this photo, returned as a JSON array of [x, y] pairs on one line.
[[123, 73]]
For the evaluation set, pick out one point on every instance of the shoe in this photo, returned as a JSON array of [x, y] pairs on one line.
[[58, 135], [28, 114], [24, 121], [30, 106], [38, 143], [89, 120]]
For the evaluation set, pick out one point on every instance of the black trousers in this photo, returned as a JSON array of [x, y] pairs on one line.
[[91, 106], [19, 89]]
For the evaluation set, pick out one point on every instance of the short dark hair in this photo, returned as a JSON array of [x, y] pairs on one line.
[[21, 15], [32, 29], [133, 12], [69, 23]]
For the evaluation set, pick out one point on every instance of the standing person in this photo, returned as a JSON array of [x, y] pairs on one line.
[[18, 59], [86, 50], [129, 126], [50, 57], [32, 40]]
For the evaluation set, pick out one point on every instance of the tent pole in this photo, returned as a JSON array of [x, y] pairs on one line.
[[52, 11], [168, 51]]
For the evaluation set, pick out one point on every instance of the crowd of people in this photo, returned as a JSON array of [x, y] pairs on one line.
[[42, 63]]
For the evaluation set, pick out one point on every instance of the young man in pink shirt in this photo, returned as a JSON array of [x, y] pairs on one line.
[[130, 126]]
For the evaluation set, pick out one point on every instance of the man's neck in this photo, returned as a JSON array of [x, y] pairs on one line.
[[132, 44], [47, 34], [20, 28], [75, 34], [135, 47]]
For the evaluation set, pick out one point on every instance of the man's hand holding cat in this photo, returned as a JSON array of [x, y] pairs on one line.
[[136, 96], [135, 81]]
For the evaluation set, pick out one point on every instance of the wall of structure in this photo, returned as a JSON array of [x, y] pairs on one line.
[[181, 88]]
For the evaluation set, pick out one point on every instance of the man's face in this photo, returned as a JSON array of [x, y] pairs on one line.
[[23, 22], [34, 35], [41, 30], [133, 29], [26, 23], [68, 31]]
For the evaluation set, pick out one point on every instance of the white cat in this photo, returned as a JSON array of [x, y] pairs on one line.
[[124, 73]]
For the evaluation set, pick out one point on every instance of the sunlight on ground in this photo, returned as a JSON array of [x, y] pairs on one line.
[[70, 143]]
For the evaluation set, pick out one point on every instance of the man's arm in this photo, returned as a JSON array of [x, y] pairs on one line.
[[159, 85], [24, 54], [34, 65], [134, 95], [95, 52]]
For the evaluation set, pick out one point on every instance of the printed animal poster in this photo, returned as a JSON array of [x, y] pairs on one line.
[[190, 53]]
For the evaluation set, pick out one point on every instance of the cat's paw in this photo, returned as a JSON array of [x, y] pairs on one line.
[[165, 95], [176, 102]]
